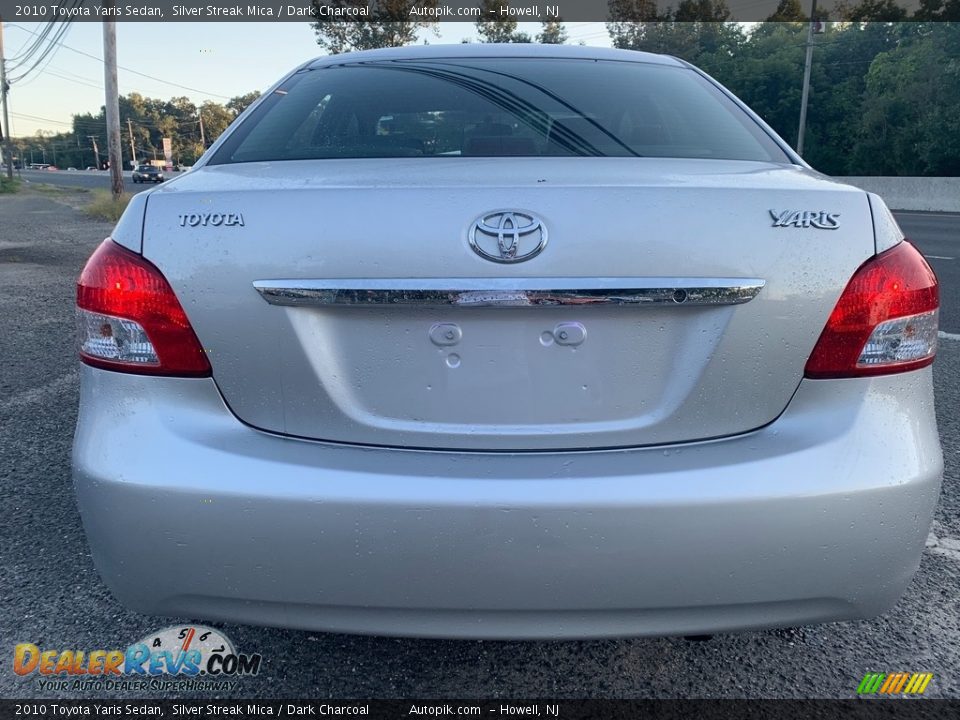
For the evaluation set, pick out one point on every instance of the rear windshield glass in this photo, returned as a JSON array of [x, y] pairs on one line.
[[498, 107]]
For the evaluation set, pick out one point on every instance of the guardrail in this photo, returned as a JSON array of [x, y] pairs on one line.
[[932, 194]]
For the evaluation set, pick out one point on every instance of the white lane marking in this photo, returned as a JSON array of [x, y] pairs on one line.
[[928, 213], [938, 257], [948, 336]]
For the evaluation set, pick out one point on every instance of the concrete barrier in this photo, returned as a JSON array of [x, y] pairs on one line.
[[934, 194]]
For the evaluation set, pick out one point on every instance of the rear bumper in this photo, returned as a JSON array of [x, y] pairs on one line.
[[820, 516]]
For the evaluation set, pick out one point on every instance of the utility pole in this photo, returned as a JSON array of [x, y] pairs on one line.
[[7, 147], [96, 150], [112, 104], [133, 152], [806, 78], [203, 139]]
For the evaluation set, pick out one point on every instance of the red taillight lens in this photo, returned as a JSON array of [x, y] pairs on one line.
[[884, 322], [129, 319]]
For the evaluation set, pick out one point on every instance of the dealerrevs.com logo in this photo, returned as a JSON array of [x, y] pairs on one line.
[[190, 657]]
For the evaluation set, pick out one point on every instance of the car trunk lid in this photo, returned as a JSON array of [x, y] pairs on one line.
[[342, 300]]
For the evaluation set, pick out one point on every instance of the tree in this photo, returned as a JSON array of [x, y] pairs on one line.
[[788, 11], [552, 32], [942, 10], [910, 116], [241, 102], [697, 28], [216, 119], [702, 11], [766, 72], [498, 29], [631, 22], [390, 26], [151, 120], [879, 10]]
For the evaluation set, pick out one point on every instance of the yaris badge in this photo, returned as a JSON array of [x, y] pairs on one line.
[[805, 218]]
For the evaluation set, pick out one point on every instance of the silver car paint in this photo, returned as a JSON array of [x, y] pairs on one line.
[[885, 226], [644, 375], [820, 516]]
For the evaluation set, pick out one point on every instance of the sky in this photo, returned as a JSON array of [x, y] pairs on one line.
[[203, 61]]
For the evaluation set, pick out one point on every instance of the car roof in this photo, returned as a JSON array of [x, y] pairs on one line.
[[494, 50]]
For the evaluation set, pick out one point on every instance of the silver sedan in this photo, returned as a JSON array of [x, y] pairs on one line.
[[506, 342]]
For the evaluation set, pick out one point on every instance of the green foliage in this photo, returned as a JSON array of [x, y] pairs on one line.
[[498, 29], [942, 10], [788, 11], [240, 103], [911, 106], [8, 185], [552, 33], [390, 24], [150, 120], [884, 97], [875, 10]]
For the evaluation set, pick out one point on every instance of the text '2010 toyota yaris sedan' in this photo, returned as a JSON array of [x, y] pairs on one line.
[[506, 341]]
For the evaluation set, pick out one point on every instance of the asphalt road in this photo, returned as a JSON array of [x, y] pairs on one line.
[[89, 180], [50, 594], [938, 237]]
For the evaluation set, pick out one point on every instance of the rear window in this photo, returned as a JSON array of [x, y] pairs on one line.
[[498, 107]]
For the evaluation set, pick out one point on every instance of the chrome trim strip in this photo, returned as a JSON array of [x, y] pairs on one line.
[[509, 292]]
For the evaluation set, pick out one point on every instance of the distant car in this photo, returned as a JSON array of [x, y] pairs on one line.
[[337, 378], [71, 169], [147, 173], [90, 167]]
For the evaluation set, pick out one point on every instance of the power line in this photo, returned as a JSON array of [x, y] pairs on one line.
[[130, 70], [47, 56], [25, 52], [24, 116], [53, 45], [49, 72]]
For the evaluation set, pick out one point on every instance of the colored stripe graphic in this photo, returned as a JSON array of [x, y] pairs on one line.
[[919, 683], [894, 683], [901, 681], [915, 681], [870, 683]]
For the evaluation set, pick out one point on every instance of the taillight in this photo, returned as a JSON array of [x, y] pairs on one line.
[[884, 322], [129, 319]]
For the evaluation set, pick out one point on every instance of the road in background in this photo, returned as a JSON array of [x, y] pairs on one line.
[[88, 179], [53, 597], [937, 235]]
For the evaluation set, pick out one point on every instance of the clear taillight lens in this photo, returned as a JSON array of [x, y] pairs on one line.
[[906, 339], [114, 339]]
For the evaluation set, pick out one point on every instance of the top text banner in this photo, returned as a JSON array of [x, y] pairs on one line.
[[383, 11]]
